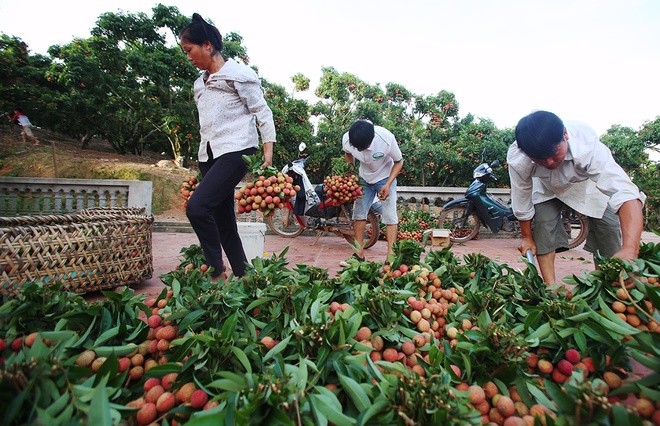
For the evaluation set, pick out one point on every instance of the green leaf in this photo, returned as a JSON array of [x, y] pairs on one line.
[[258, 302], [227, 385], [540, 397], [204, 418], [565, 403], [190, 318], [163, 369], [379, 405], [15, 407], [648, 361], [229, 327], [355, 391], [580, 340], [330, 407], [58, 405], [612, 322], [276, 349], [99, 408], [240, 355], [620, 415], [105, 336]]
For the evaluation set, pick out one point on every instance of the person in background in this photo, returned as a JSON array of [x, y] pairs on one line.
[[231, 106], [554, 163], [381, 162], [26, 126]]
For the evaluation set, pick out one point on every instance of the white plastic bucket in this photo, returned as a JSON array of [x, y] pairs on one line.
[[253, 237]]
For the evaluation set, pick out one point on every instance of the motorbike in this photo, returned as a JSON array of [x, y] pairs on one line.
[[464, 216], [312, 210]]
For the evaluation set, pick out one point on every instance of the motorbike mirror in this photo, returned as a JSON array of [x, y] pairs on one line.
[[495, 163], [302, 147]]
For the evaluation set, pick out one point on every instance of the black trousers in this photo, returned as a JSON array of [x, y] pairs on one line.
[[211, 211]]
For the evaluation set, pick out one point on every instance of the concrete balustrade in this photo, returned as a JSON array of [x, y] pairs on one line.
[[27, 196], [438, 195]]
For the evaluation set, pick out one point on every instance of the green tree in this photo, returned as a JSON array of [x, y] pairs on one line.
[[627, 148], [23, 81]]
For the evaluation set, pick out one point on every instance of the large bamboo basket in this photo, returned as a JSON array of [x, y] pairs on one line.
[[96, 249]]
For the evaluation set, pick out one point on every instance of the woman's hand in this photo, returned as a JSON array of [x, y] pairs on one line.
[[268, 155]]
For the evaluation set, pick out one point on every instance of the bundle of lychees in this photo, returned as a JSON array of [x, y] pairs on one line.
[[187, 188], [340, 189], [267, 192]]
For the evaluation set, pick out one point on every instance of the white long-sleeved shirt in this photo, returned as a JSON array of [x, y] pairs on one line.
[[588, 180], [231, 105]]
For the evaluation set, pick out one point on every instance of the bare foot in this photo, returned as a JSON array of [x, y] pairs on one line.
[[220, 278]]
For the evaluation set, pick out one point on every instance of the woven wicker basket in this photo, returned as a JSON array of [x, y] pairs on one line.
[[95, 249]]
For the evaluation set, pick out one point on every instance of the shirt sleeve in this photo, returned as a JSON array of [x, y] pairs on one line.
[[252, 95], [345, 145], [609, 176], [395, 151], [521, 185]]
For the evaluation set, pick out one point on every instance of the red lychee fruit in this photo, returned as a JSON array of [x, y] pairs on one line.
[[154, 321], [86, 358], [589, 362], [165, 402], [124, 364], [147, 414], [16, 344], [150, 383], [558, 376], [198, 399], [505, 406], [168, 380], [30, 339], [154, 393], [565, 367], [185, 392], [168, 332], [573, 356], [477, 394], [545, 366], [390, 355], [408, 348], [268, 342], [364, 333], [136, 373]]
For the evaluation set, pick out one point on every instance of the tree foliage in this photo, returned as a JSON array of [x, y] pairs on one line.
[[130, 84]]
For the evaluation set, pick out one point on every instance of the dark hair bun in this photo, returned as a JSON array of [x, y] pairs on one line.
[[197, 18]]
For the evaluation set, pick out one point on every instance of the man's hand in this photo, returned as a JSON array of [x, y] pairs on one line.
[[527, 244], [627, 254], [384, 192]]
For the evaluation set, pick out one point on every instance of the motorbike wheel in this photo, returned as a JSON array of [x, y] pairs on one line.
[[284, 223], [462, 227], [576, 226], [371, 232]]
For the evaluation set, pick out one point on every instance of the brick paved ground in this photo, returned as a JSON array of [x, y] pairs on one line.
[[328, 250]]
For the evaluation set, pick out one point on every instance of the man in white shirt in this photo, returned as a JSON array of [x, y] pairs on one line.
[[553, 163], [381, 162]]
